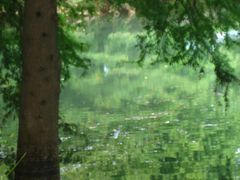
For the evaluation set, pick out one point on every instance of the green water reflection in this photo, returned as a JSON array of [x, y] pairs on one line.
[[123, 122], [186, 138]]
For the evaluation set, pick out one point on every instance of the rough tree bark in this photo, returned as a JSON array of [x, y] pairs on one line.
[[38, 117]]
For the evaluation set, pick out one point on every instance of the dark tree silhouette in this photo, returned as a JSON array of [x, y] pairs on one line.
[[38, 119]]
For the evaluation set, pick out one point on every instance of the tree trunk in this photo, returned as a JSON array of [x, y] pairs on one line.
[[38, 117]]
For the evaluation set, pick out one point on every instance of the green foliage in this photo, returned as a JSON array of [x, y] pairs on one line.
[[176, 32], [117, 44], [7, 148], [223, 70], [185, 32], [10, 63], [72, 16], [171, 126]]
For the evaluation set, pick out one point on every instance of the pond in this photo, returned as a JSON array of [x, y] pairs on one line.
[[130, 127]]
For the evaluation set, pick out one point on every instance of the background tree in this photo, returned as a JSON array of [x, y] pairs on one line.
[[185, 32]]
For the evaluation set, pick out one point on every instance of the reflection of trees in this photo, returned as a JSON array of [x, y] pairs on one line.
[[182, 150], [191, 142]]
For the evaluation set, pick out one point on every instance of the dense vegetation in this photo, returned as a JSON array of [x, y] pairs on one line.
[[125, 117], [120, 120], [185, 32]]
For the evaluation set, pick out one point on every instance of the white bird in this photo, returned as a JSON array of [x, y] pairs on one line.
[[105, 69], [116, 133]]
